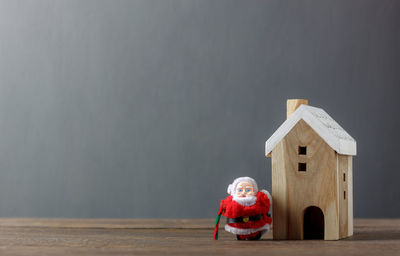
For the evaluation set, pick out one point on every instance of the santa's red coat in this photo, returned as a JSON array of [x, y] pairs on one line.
[[231, 209]]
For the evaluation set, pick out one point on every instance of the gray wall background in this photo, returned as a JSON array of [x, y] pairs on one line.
[[151, 108]]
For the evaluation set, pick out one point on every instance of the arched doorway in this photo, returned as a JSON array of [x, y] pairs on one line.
[[313, 225]]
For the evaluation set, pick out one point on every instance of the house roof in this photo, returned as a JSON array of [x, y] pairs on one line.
[[324, 125]]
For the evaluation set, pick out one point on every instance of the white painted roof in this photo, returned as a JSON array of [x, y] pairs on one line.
[[324, 125]]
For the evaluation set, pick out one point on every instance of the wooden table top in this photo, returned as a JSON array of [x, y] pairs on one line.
[[178, 237]]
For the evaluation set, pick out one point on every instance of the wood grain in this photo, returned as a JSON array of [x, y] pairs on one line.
[[345, 176], [279, 193], [189, 237], [317, 186], [106, 223], [293, 104]]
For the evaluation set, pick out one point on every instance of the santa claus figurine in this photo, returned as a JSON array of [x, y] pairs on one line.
[[247, 210]]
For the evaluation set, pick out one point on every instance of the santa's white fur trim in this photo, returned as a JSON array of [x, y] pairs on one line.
[[232, 187], [245, 201], [246, 231]]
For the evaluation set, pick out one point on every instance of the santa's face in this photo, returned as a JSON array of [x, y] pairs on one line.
[[244, 189]]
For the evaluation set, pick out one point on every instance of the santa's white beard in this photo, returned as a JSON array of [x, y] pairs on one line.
[[245, 201]]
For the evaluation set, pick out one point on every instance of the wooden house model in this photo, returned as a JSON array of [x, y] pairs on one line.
[[312, 175]]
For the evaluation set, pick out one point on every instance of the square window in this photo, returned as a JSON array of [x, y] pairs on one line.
[[302, 167], [302, 150]]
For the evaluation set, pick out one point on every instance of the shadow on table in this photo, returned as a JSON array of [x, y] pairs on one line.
[[376, 235]]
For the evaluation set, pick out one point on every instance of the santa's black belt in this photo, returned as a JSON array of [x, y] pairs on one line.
[[244, 219]]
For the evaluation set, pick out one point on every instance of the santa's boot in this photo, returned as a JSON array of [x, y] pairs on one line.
[[253, 236]]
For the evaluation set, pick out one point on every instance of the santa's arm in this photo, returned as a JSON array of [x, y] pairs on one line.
[[270, 201]]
